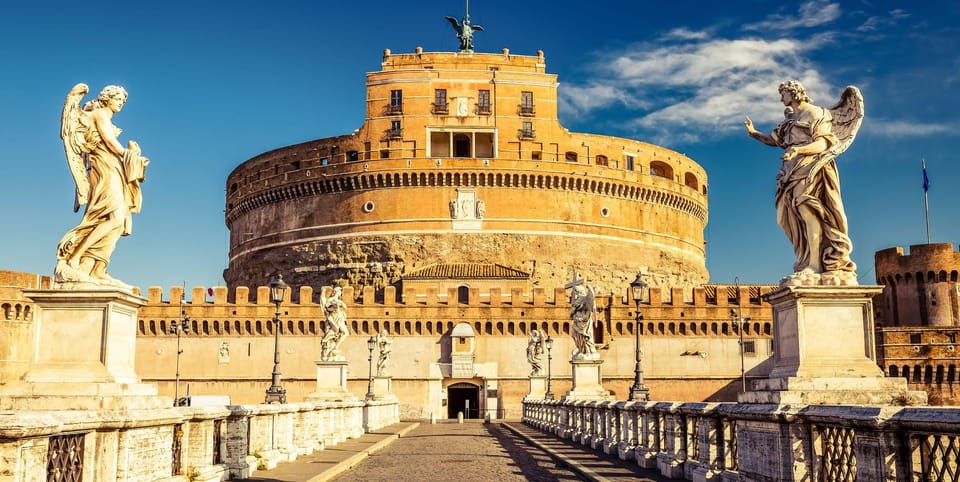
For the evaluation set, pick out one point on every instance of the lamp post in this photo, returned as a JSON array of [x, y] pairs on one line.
[[371, 343], [276, 393], [177, 327], [640, 292], [549, 344], [738, 320]]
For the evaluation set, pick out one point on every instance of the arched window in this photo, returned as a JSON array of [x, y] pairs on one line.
[[661, 169], [690, 180], [570, 156], [463, 294]]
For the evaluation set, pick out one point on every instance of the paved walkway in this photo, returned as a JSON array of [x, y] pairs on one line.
[[472, 451]]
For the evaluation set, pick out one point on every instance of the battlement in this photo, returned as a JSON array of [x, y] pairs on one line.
[[706, 296], [463, 61], [925, 262]]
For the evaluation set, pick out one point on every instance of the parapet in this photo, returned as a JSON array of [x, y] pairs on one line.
[[925, 261], [707, 296]]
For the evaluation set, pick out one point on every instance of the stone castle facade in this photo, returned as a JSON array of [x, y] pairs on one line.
[[918, 318], [461, 158]]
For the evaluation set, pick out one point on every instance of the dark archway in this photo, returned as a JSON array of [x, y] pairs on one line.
[[461, 145], [463, 397]]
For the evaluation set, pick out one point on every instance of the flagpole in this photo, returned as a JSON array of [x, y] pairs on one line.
[[926, 203]]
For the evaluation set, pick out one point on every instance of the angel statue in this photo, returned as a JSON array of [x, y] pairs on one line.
[[535, 353], [584, 317], [465, 32], [335, 326], [107, 178], [383, 352], [809, 207]]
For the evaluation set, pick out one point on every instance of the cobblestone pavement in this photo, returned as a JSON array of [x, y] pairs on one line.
[[475, 451], [448, 451]]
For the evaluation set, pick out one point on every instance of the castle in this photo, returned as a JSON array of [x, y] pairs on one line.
[[452, 218]]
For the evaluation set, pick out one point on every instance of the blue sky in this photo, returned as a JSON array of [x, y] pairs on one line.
[[213, 84]]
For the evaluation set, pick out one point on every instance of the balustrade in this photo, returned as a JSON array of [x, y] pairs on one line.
[[702, 441]]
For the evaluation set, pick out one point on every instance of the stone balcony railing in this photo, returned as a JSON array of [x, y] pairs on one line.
[[177, 443], [717, 441]]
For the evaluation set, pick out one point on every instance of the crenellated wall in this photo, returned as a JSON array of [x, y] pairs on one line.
[[920, 288]]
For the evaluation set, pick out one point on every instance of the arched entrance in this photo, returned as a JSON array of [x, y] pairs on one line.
[[461, 145], [463, 397]]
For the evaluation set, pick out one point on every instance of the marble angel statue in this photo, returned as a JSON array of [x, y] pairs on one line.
[[384, 349], [107, 177], [535, 353], [584, 316], [809, 206], [335, 326]]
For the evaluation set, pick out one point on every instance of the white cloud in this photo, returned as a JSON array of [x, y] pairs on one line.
[[900, 128], [811, 14], [699, 88]]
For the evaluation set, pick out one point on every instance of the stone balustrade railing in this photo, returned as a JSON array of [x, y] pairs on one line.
[[177, 443], [731, 441]]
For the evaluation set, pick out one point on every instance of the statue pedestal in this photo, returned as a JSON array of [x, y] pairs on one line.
[[382, 389], [824, 351], [85, 342], [587, 381], [538, 388], [331, 382]]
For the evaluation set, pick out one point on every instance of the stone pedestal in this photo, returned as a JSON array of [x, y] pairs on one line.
[[587, 381], [331, 382], [538, 388], [824, 351], [382, 389], [83, 357]]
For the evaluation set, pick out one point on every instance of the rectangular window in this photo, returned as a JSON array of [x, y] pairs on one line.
[[384, 153], [629, 163], [483, 102], [440, 101], [396, 131], [536, 155], [749, 347], [526, 103], [526, 132], [915, 338], [366, 150], [396, 101]]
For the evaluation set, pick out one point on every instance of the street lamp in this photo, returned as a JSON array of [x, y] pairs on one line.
[[549, 344], [278, 290], [371, 343], [177, 327], [640, 293], [738, 320]]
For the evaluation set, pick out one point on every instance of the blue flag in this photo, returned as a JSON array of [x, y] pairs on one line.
[[926, 181]]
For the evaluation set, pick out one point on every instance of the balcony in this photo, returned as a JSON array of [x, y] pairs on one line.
[[527, 110], [527, 134], [441, 109], [483, 109], [394, 134], [395, 109]]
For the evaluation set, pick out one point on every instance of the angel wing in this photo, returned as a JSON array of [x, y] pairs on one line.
[[72, 131], [455, 23], [590, 304], [847, 116], [476, 27]]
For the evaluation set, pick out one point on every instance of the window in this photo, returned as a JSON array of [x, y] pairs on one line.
[[353, 156], [571, 156], [366, 150], [915, 338], [661, 169], [395, 131], [526, 103], [536, 155], [629, 163], [396, 102], [440, 101], [483, 102], [384, 153], [601, 160], [749, 347], [526, 132]]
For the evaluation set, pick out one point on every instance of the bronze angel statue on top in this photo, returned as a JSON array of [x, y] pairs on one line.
[[465, 32], [107, 177], [809, 206]]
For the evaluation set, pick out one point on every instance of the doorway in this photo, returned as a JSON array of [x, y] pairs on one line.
[[463, 397], [461, 145]]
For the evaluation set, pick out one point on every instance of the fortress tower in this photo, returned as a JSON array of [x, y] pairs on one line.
[[461, 159], [920, 289]]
